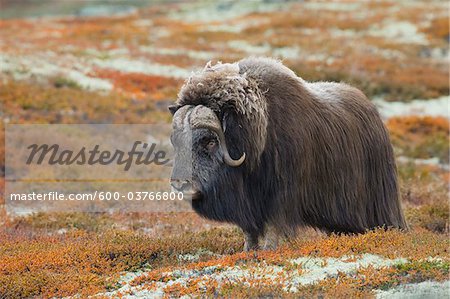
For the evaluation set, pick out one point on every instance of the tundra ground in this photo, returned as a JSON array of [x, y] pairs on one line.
[[127, 66]]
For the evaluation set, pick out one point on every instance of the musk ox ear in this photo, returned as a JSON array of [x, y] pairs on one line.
[[174, 108]]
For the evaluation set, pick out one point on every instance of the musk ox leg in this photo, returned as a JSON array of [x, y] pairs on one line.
[[271, 238], [251, 241]]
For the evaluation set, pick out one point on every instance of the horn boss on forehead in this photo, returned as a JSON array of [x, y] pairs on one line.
[[179, 117]]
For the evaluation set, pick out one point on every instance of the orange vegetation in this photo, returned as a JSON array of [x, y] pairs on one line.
[[140, 85], [414, 245], [421, 137]]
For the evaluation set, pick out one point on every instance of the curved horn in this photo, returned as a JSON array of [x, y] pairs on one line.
[[203, 117], [226, 155]]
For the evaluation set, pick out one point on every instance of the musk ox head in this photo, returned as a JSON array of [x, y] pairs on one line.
[[211, 129], [200, 149]]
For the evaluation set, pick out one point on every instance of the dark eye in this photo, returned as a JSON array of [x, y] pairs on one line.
[[210, 145]]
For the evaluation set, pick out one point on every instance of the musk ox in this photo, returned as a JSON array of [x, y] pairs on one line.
[[259, 147]]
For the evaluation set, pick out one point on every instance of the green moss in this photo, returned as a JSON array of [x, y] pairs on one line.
[[427, 266], [61, 82]]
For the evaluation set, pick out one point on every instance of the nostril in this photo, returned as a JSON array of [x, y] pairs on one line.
[[176, 184], [186, 185], [180, 185]]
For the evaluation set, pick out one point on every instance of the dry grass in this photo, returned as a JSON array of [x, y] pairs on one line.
[[425, 194], [37, 258], [86, 262], [34, 102], [355, 285], [421, 137], [151, 224], [417, 245], [141, 86], [343, 37], [432, 216]]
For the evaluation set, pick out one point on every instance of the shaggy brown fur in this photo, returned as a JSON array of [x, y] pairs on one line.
[[318, 154]]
